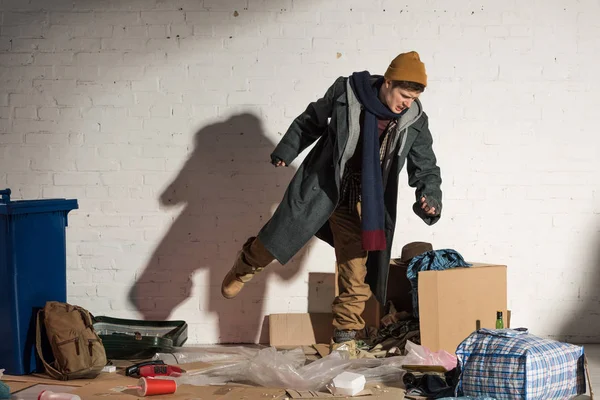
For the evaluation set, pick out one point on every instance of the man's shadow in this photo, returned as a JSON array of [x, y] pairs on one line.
[[228, 190]]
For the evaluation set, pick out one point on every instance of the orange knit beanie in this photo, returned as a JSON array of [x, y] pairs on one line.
[[407, 67]]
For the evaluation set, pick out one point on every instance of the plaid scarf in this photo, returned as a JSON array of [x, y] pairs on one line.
[[372, 203]]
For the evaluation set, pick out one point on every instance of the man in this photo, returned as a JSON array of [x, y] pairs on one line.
[[345, 192]]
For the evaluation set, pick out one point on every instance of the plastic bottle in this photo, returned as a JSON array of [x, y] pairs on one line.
[[49, 395]]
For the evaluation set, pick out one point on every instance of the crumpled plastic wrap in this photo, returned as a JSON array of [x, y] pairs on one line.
[[419, 355], [286, 369], [228, 363], [208, 354]]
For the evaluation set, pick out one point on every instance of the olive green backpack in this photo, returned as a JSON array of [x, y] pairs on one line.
[[78, 350]]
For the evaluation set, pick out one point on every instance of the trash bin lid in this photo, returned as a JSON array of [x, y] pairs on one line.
[[37, 206]]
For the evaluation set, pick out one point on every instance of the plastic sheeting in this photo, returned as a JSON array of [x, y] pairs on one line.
[[286, 369]]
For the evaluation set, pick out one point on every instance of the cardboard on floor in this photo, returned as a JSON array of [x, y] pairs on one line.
[[116, 388], [452, 304]]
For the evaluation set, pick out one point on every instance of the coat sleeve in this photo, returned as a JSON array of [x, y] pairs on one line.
[[308, 126], [423, 172]]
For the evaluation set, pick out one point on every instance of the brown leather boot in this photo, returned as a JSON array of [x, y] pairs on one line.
[[234, 281]]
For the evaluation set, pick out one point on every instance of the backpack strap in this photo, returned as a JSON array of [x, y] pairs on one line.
[[38, 344], [85, 316]]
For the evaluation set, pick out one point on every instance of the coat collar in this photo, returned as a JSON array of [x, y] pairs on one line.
[[409, 118]]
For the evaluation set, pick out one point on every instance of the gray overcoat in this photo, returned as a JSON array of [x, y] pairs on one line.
[[312, 195]]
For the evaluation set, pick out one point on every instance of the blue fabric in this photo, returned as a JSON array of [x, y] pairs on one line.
[[4, 390], [372, 204], [513, 364], [435, 260]]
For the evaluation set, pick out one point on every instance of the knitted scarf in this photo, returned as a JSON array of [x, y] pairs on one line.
[[372, 202]]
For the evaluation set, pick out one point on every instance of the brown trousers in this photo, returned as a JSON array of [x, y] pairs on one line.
[[349, 305]]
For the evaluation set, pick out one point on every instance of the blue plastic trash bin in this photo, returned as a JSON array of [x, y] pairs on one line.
[[33, 271]]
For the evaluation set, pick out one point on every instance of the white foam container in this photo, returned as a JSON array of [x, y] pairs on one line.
[[348, 384]]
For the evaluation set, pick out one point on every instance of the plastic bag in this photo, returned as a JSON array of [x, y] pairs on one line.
[[419, 355], [216, 354], [271, 368], [284, 369], [382, 374]]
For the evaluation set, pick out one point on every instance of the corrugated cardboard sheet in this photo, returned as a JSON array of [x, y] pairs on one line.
[[300, 329], [310, 394], [455, 302]]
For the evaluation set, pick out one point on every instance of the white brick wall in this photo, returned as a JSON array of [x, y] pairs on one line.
[[159, 116]]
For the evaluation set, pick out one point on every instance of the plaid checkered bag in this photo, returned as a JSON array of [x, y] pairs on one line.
[[513, 364]]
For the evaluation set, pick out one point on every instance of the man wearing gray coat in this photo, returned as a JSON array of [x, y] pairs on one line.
[[345, 191]]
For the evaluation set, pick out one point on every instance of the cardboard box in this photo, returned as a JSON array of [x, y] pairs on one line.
[[452, 304], [303, 329], [456, 302]]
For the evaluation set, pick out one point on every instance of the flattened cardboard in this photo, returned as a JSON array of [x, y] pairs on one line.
[[33, 391], [456, 302], [46, 380], [116, 391], [301, 329], [18, 386], [322, 349], [310, 394]]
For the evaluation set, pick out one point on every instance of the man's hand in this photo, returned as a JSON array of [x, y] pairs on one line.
[[280, 163], [429, 210]]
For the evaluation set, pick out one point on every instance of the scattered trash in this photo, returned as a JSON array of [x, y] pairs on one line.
[[420, 355], [152, 387], [110, 369], [347, 384], [397, 329], [429, 385], [286, 369], [153, 368], [49, 395], [217, 354]]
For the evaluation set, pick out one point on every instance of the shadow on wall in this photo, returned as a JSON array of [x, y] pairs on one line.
[[583, 326], [228, 188]]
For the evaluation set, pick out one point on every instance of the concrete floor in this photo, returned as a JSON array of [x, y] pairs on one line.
[[592, 352]]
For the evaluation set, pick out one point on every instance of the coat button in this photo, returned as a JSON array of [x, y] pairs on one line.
[[314, 188]]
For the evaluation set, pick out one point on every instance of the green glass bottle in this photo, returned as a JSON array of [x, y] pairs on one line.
[[499, 321]]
